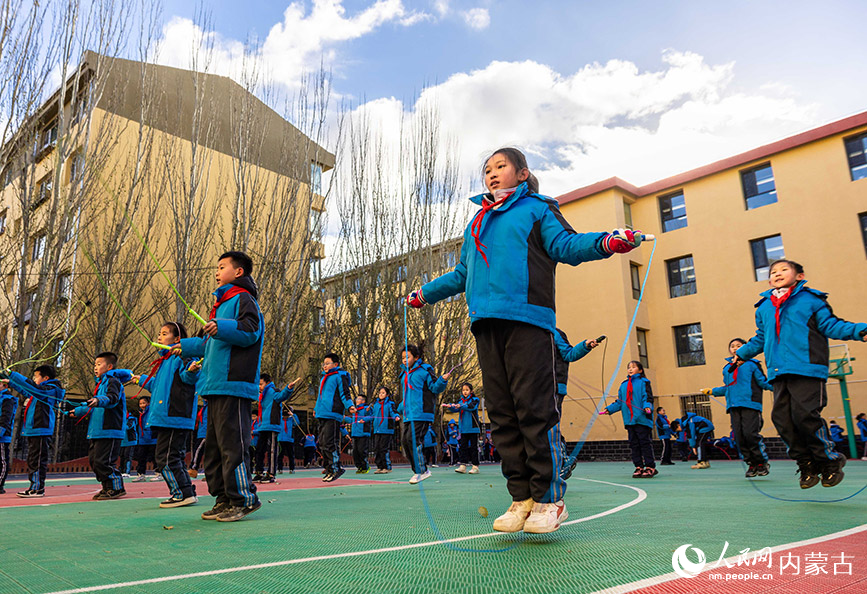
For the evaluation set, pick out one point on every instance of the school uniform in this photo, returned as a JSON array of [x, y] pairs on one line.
[[8, 407], [147, 442], [201, 432], [286, 438], [39, 420], [793, 331], [743, 387], [309, 450], [429, 447], [510, 295], [454, 438], [333, 399], [382, 413], [469, 428], [862, 426], [697, 429], [270, 420], [128, 443], [360, 431], [229, 381], [633, 397], [420, 387], [106, 427], [566, 354], [172, 417], [663, 431]]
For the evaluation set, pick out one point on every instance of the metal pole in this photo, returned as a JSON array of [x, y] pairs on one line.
[[847, 412]]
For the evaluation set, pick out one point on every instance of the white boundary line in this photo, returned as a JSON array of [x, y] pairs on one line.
[[668, 577], [642, 495]]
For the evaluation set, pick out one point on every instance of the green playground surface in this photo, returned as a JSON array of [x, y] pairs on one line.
[[374, 535]]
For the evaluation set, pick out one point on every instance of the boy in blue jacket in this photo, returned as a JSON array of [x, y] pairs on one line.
[[679, 435], [309, 449], [507, 266], [420, 388], [286, 438], [382, 413], [232, 353], [334, 398], [42, 394], [359, 430], [270, 421], [743, 387], [663, 431], [696, 429], [430, 447], [793, 325], [453, 440], [146, 445], [8, 406], [107, 424]]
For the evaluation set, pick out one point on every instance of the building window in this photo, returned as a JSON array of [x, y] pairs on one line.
[[681, 276], [58, 352], [38, 247], [861, 217], [316, 178], [856, 152], [3, 214], [64, 288], [317, 328], [759, 187], [7, 175], [315, 223], [356, 284], [400, 273], [765, 251], [451, 260], [672, 210], [698, 404], [338, 301], [47, 138], [641, 337], [635, 274], [43, 191], [76, 167], [315, 272], [689, 344], [627, 215]]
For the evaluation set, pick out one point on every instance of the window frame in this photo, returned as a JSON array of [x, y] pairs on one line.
[[663, 221], [766, 268], [752, 171], [678, 341], [862, 137], [673, 292], [643, 358], [635, 279]]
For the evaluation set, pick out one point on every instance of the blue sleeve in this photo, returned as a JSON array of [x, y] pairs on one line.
[[283, 394], [756, 344], [470, 406], [189, 377], [144, 380], [719, 391], [563, 244], [833, 327], [437, 386], [24, 386], [449, 284], [761, 380], [80, 411], [193, 347], [245, 330], [615, 406], [648, 395], [569, 353], [112, 394], [691, 435], [7, 414]]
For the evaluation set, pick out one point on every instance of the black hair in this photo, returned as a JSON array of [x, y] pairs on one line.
[[239, 260], [740, 340], [674, 423], [46, 371], [639, 365], [658, 408], [416, 351], [335, 358], [179, 329], [860, 416], [387, 391], [518, 161], [148, 398], [266, 377], [110, 357], [795, 266], [470, 386]]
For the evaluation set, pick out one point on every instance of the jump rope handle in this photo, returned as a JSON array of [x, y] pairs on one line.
[[601, 338], [649, 236]]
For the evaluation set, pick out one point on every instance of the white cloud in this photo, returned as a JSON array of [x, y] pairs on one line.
[[296, 44], [477, 18]]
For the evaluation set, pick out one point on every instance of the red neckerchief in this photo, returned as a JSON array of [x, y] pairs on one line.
[[140, 414], [734, 377], [325, 377], [476, 225], [155, 367], [235, 290], [199, 416], [778, 303], [629, 394]]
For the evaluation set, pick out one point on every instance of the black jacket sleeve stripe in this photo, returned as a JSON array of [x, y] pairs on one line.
[[248, 313]]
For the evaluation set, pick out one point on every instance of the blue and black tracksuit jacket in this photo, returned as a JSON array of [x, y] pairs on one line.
[[270, 407], [173, 395], [744, 385], [232, 358], [468, 419], [39, 413], [334, 395], [454, 433], [430, 438], [696, 427], [130, 436], [287, 427], [663, 427], [566, 354], [382, 414], [8, 407], [633, 409], [202, 422], [108, 417], [420, 387], [806, 324], [360, 424], [522, 241]]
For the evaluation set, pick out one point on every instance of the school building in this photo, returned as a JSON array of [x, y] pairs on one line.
[[718, 227]]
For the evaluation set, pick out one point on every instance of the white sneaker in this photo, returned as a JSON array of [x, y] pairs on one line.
[[461, 469], [514, 518], [437, 465], [125, 475], [424, 475], [156, 478], [546, 517], [172, 502], [474, 470], [138, 478], [864, 458], [414, 479]]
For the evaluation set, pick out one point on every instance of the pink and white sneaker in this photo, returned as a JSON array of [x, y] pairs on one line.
[[546, 517]]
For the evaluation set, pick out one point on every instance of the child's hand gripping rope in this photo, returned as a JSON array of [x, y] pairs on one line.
[[621, 241]]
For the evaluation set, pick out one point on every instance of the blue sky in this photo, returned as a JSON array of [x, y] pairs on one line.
[[641, 90]]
